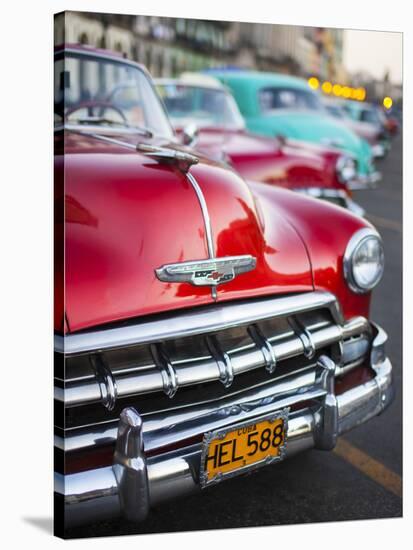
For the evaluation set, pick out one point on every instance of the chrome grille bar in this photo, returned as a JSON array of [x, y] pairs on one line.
[[168, 374], [266, 348], [221, 366], [222, 359], [201, 320]]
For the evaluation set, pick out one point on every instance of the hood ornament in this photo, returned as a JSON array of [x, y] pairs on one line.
[[211, 272], [182, 160]]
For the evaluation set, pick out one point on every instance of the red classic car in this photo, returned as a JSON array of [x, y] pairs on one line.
[[204, 327], [203, 110], [392, 124]]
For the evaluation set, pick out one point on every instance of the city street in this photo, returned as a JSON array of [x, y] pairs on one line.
[[361, 479]]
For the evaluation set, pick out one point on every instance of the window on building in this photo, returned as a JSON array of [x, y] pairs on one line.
[[83, 38]]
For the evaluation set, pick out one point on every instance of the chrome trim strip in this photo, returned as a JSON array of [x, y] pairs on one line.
[[205, 214], [207, 223], [197, 321], [98, 494]]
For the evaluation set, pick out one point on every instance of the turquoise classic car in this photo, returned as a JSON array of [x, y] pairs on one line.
[[274, 104]]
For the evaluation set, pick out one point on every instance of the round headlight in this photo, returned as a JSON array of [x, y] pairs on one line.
[[346, 169], [364, 260]]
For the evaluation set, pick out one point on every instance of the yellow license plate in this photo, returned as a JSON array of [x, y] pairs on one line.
[[243, 447]]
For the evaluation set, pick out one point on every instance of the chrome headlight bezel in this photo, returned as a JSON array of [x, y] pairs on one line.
[[346, 168], [359, 239]]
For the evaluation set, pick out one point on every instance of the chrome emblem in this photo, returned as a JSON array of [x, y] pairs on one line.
[[211, 272]]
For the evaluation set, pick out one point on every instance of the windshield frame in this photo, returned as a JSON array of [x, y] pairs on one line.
[[99, 128]]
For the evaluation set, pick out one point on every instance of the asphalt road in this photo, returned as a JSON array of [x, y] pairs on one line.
[[362, 478]]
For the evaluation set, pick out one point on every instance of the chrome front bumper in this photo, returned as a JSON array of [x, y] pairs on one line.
[[337, 196], [365, 181], [135, 482], [379, 150]]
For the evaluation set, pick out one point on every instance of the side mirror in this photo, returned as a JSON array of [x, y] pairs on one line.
[[190, 134]]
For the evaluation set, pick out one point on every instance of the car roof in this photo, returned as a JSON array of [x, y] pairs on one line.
[[361, 105], [259, 79]]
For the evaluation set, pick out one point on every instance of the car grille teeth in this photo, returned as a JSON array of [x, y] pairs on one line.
[[226, 371], [106, 382], [168, 373], [304, 335], [234, 357], [266, 348]]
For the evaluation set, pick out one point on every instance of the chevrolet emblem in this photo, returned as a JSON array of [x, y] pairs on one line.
[[211, 272]]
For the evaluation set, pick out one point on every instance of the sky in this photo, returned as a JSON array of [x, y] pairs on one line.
[[374, 52]]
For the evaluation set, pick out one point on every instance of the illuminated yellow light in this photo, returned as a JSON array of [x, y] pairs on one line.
[[346, 92], [337, 89], [313, 82], [353, 94], [387, 102], [327, 87], [361, 94]]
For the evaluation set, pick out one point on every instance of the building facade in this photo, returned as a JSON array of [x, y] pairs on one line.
[[168, 46]]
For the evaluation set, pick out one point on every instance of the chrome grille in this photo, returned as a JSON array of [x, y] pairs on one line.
[[206, 347]]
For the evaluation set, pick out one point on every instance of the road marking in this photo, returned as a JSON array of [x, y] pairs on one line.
[[386, 223], [370, 467]]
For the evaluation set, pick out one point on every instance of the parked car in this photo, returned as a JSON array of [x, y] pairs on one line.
[[204, 327], [201, 102], [392, 123], [281, 105], [377, 138], [367, 112]]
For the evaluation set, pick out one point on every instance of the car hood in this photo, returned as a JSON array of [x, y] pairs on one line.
[[318, 128], [127, 214], [288, 163]]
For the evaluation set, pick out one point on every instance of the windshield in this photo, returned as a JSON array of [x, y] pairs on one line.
[[335, 110], [204, 106], [371, 115], [112, 94], [271, 99]]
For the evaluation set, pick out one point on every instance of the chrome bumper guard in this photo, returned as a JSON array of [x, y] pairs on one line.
[[338, 196], [135, 483]]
